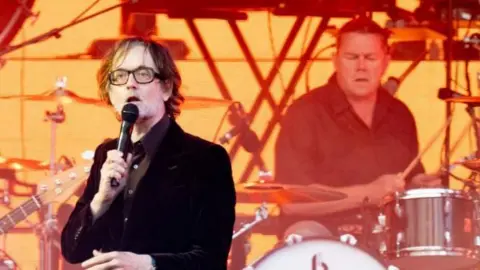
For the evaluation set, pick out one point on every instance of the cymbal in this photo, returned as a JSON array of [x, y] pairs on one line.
[[20, 164], [472, 164], [466, 99], [193, 103], [283, 194], [66, 96], [63, 96]]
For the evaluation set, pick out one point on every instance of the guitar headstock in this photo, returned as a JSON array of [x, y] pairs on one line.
[[61, 186]]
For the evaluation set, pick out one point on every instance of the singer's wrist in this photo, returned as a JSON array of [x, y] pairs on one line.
[[99, 206], [102, 200]]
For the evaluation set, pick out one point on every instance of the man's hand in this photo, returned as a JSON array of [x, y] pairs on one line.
[[117, 260], [383, 186], [422, 180]]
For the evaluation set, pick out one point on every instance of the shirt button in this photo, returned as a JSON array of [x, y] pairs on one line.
[[135, 166], [130, 191]]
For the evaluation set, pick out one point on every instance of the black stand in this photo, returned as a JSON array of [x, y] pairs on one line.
[[240, 250], [448, 59], [56, 31], [240, 239]]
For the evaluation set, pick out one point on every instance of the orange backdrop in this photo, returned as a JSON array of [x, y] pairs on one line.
[[27, 135]]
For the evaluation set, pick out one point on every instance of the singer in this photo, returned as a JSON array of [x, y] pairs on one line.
[[164, 200], [349, 135]]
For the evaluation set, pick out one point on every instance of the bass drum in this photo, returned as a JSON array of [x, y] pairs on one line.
[[321, 254]]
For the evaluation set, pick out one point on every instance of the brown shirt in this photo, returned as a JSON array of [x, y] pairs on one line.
[[323, 141]]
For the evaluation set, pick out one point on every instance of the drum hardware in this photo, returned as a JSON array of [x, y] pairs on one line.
[[367, 218], [293, 239], [239, 251], [47, 231], [56, 189], [65, 96], [431, 228], [49, 226], [379, 231], [260, 215], [348, 239], [260, 192], [240, 240]]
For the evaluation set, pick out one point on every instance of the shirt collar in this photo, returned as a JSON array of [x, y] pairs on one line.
[[155, 135], [339, 102]]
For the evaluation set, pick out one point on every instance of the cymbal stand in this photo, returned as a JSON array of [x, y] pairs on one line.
[[260, 215], [49, 230], [240, 240]]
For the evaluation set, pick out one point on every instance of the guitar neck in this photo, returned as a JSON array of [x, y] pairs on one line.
[[59, 187], [20, 213]]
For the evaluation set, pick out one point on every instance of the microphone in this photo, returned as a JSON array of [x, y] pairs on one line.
[[445, 93], [391, 85], [240, 120], [129, 116]]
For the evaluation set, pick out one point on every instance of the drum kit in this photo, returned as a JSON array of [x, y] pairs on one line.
[[417, 229], [426, 228]]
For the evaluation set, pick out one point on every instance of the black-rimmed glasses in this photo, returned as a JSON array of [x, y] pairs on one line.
[[142, 75]]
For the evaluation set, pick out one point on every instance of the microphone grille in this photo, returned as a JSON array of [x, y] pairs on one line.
[[445, 93], [130, 113]]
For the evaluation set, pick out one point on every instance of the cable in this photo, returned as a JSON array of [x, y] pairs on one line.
[[274, 50], [310, 64], [459, 85], [305, 36], [85, 11]]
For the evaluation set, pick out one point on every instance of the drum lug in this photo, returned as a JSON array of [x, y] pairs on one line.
[[348, 239], [400, 238], [382, 247], [381, 220], [398, 210], [448, 237], [447, 207], [477, 241], [292, 239]]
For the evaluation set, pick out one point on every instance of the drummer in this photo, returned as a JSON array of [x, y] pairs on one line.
[[349, 135]]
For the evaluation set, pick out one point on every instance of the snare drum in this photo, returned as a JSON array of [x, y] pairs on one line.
[[318, 253], [431, 228]]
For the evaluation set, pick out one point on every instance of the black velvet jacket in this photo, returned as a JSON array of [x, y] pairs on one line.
[[182, 212]]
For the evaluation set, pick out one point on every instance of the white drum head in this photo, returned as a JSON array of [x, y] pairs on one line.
[[329, 253]]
